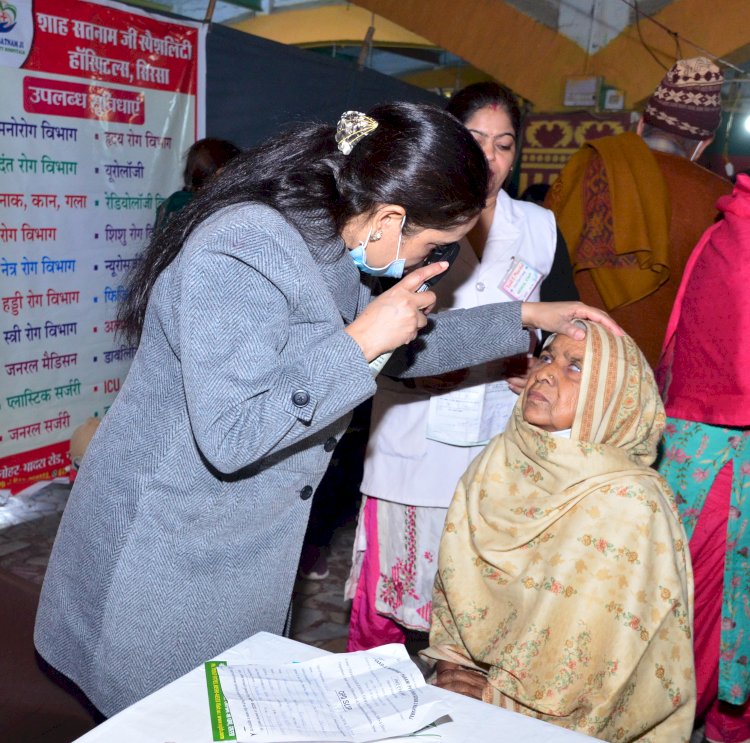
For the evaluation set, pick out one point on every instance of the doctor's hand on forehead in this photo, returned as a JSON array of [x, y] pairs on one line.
[[559, 317]]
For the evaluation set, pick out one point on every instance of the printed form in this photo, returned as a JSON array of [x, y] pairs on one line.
[[358, 697]]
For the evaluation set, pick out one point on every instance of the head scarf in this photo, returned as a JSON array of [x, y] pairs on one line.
[[617, 426], [563, 560], [619, 404]]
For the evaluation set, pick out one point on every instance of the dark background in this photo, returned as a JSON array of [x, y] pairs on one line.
[[256, 87]]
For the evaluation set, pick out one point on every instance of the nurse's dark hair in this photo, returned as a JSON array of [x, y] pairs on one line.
[[418, 157], [466, 102]]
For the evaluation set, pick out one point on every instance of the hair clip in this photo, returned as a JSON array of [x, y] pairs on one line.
[[352, 126]]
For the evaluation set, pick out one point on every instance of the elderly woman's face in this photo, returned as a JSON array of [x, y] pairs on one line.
[[551, 392]]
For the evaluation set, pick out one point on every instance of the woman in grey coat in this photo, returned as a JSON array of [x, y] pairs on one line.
[[256, 324]]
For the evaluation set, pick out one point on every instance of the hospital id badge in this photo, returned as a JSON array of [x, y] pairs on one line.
[[521, 280]]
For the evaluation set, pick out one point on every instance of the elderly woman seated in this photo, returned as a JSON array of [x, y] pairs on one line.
[[564, 588]]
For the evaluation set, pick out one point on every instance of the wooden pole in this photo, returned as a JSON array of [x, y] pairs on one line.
[[210, 11]]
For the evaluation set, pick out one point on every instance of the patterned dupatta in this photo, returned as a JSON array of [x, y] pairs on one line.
[[612, 205], [564, 573]]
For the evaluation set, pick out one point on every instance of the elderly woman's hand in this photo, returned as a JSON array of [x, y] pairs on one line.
[[462, 680], [517, 383], [558, 317]]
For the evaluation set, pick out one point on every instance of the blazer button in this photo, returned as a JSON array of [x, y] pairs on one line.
[[330, 445], [300, 398], [306, 492]]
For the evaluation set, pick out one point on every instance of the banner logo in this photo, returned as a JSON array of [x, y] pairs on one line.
[[16, 32], [7, 17]]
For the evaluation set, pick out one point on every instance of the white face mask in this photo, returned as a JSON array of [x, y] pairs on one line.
[[392, 270]]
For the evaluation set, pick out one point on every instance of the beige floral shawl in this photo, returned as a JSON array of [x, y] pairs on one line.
[[564, 573]]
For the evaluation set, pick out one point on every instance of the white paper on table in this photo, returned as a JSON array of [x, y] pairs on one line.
[[363, 696]]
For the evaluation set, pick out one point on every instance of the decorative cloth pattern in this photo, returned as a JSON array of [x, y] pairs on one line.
[[688, 99], [613, 207], [596, 248], [547, 564], [407, 537]]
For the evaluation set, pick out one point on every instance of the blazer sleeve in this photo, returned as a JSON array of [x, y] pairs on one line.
[[460, 338], [245, 295]]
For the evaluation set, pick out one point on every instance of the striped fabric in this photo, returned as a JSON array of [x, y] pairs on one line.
[[618, 403]]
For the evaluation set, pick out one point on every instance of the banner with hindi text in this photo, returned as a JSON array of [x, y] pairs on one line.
[[99, 103]]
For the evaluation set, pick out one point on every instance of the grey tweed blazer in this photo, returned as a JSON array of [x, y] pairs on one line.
[[182, 533]]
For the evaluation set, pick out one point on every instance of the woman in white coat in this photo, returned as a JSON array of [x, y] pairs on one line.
[[425, 431]]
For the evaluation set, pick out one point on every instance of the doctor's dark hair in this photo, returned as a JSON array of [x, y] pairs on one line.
[[466, 102], [418, 157]]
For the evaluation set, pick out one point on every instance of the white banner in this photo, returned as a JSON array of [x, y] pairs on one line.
[[99, 104]]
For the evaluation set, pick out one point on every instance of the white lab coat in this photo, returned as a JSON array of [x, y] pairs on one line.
[[402, 464]]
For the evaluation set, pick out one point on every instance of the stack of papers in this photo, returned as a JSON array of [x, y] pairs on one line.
[[364, 696]]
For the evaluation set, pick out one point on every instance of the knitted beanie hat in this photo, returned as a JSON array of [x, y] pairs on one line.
[[688, 99]]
